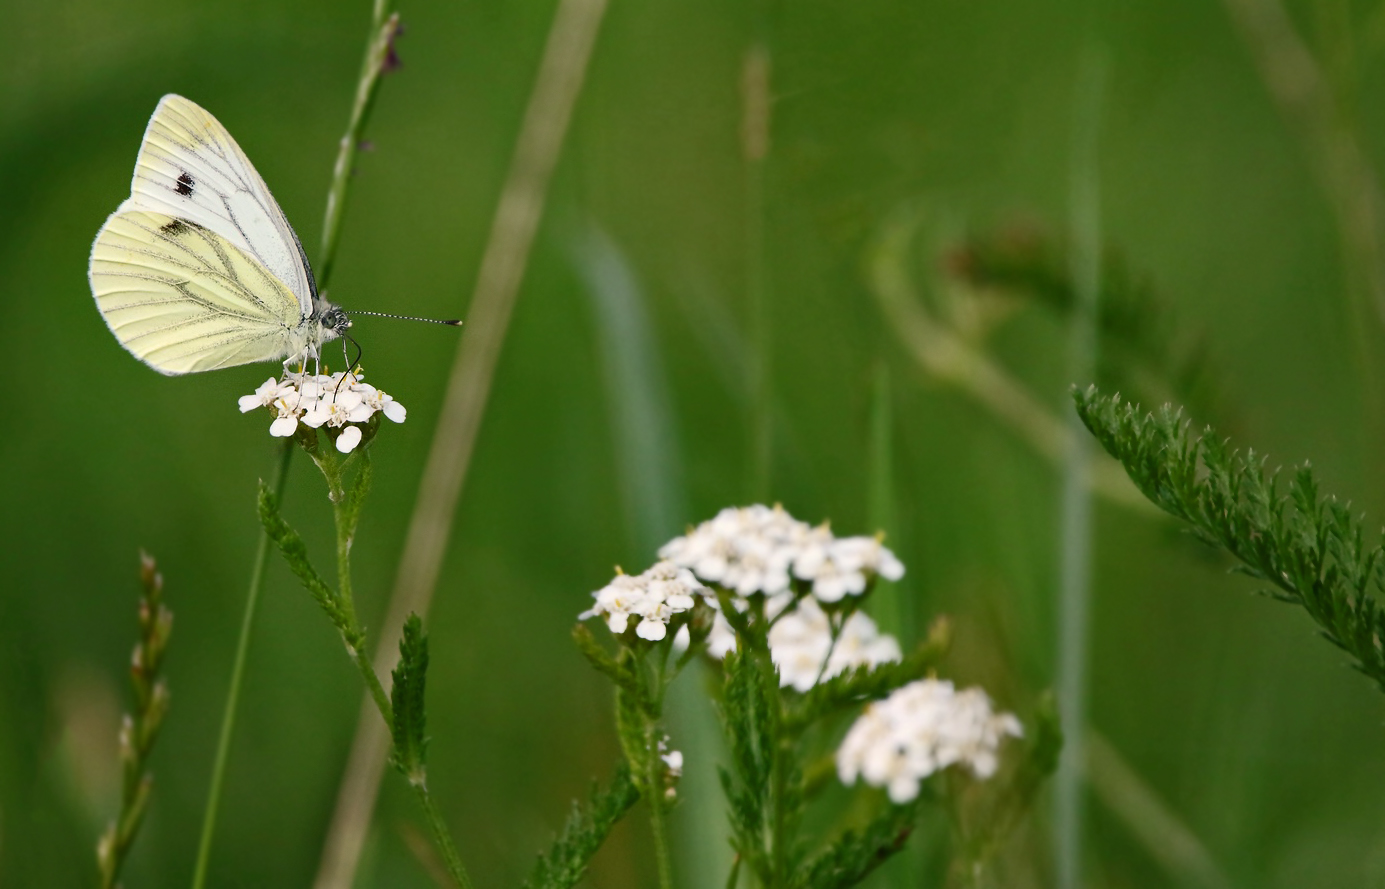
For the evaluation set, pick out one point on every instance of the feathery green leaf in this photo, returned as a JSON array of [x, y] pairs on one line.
[[565, 862], [1308, 546], [407, 701]]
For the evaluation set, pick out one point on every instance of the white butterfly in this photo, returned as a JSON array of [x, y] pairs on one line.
[[198, 269]]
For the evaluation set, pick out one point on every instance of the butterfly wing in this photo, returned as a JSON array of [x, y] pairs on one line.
[[182, 298], [190, 168]]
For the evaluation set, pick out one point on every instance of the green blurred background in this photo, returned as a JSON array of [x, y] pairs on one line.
[[1248, 728]]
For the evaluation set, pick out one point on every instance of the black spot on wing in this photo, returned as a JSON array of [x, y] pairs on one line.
[[184, 186], [174, 228]]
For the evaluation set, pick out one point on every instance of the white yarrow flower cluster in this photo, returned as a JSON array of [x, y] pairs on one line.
[[801, 646], [922, 728], [654, 597], [841, 566], [758, 549], [339, 401], [800, 642]]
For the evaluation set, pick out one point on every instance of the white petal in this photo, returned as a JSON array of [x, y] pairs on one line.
[[283, 427], [903, 788], [652, 630], [828, 589], [249, 402], [394, 411], [349, 438]]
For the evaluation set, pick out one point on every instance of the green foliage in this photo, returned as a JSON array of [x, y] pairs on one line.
[[566, 860], [620, 669], [140, 729], [854, 854], [295, 552], [745, 714], [1045, 745], [404, 711], [407, 700], [1309, 547]]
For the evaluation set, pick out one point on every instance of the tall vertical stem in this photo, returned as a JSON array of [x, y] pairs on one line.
[[1076, 518], [228, 716], [383, 29]]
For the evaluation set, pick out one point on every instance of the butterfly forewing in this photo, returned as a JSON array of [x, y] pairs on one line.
[[182, 298], [190, 168]]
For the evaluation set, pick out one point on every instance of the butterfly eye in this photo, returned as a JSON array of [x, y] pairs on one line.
[[335, 319]]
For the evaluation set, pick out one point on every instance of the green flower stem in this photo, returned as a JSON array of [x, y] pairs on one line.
[[228, 717], [653, 733], [346, 512], [441, 837], [778, 778], [383, 28], [657, 823]]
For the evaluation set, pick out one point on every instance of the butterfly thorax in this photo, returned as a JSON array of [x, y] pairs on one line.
[[326, 323]]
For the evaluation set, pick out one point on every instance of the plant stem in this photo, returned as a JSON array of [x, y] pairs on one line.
[[778, 780], [383, 28], [346, 511], [1075, 542], [228, 717], [657, 824], [352, 633], [441, 837]]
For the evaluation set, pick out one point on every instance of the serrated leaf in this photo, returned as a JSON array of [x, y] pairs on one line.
[[1309, 546], [745, 718], [407, 702], [854, 854], [565, 862], [620, 670]]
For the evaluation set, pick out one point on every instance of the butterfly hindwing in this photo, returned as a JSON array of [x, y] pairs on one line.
[[190, 168], [183, 298]]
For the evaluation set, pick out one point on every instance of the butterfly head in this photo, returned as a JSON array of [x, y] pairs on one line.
[[333, 321]]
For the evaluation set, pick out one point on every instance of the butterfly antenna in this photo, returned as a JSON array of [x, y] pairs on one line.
[[453, 323], [351, 366]]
